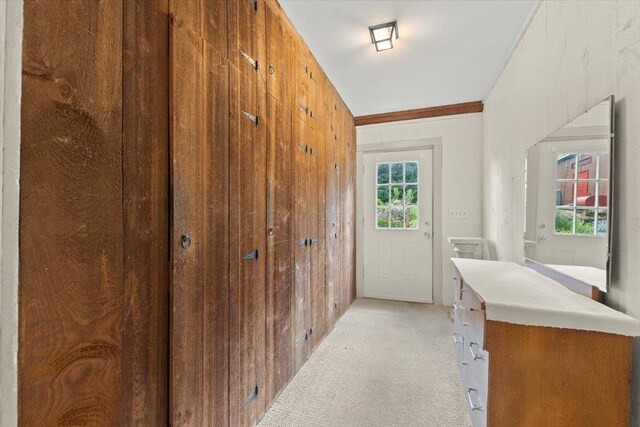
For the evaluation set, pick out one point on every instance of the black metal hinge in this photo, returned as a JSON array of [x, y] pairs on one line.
[[251, 61], [254, 119], [303, 108], [313, 241], [303, 242], [250, 397], [304, 147], [252, 255]]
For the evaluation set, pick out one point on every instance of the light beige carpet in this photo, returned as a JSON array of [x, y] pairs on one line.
[[385, 364]]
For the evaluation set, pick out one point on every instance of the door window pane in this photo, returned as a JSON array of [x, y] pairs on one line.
[[411, 172], [397, 217], [383, 195], [382, 217], [585, 221], [564, 221], [602, 222], [397, 173], [397, 194], [383, 173], [411, 217], [411, 195]]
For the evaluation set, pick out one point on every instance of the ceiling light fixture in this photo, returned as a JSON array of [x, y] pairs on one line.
[[384, 35]]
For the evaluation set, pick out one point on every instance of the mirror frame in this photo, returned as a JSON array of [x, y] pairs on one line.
[[611, 205]]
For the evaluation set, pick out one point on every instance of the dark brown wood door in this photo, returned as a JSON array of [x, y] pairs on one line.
[[93, 214], [300, 242], [246, 37], [200, 287], [333, 225], [316, 217], [247, 249], [278, 57], [279, 261]]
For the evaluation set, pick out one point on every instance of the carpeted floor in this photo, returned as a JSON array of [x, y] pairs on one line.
[[386, 363]]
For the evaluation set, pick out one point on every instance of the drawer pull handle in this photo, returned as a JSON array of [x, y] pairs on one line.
[[457, 339], [475, 405], [474, 355]]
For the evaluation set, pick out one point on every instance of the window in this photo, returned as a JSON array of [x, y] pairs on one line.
[[397, 196], [582, 194]]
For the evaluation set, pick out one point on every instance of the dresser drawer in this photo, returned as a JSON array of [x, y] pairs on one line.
[[476, 381]]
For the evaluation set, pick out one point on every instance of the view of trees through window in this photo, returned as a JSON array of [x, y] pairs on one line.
[[397, 195], [582, 194]]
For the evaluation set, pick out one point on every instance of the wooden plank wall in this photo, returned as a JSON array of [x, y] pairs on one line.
[[287, 191], [94, 213], [186, 211]]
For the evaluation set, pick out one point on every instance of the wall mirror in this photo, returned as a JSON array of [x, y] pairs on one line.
[[568, 188]]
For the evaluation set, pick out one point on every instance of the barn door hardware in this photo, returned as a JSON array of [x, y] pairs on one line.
[[254, 119], [272, 69], [271, 231], [304, 147], [313, 329], [312, 78], [313, 116], [252, 61], [306, 68], [337, 166], [313, 152], [335, 304], [303, 242], [302, 339], [303, 107], [185, 241], [250, 397], [252, 255], [254, 4], [313, 242]]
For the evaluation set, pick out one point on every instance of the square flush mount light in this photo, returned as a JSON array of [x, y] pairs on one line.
[[384, 35]]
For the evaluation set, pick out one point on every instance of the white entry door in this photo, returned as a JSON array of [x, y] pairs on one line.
[[398, 225]]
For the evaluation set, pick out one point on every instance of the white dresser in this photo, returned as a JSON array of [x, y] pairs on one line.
[[531, 352]]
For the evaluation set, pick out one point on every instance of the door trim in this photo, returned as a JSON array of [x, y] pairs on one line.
[[434, 144]]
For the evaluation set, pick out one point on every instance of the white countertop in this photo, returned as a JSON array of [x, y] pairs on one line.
[[516, 294]]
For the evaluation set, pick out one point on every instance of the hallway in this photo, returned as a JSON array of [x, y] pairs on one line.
[[386, 363]]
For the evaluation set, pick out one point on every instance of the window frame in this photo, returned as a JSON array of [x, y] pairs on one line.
[[404, 185], [574, 208]]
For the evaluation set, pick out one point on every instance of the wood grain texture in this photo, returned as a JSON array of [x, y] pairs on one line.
[[145, 167], [279, 368], [247, 234], [215, 251], [279, 52], [187, 184], [541, 376], [316, 216], [300, 77], [246, 34], [71, 219], [421, 113], [300, 243]]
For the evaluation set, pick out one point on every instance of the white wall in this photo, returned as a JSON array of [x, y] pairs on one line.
[[573, 55], [461, 186], [10, 90]]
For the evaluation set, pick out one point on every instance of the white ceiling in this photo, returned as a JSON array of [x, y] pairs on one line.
[[448, 51]]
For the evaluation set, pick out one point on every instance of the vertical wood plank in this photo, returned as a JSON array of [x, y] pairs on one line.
[[215, 252], [187, 171], [246, 34], [247, 249], [145, 207], [299, 242], [71, 224], [279, 368]]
